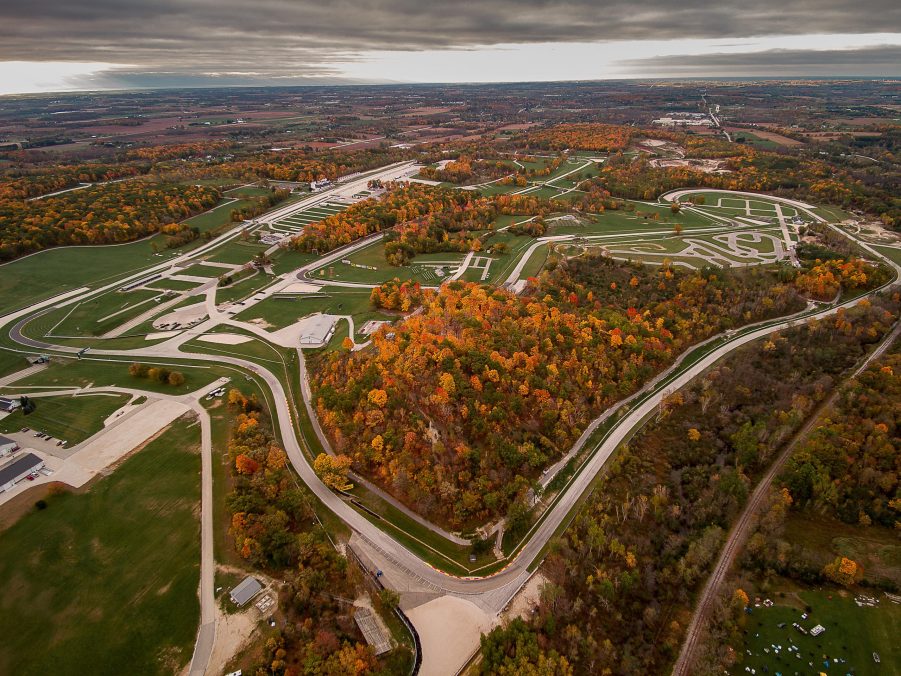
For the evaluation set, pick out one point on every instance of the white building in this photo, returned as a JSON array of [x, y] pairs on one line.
[[16, 470], [7, 446], [8, 405], [317, 329]]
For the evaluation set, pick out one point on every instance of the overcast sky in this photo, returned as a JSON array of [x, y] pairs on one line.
[[52, 45]]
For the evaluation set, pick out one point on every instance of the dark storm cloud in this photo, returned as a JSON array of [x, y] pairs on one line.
[[882, 60], [295, 37]]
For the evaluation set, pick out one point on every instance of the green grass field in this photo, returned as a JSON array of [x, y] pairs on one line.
[[535, 263], [247, 191], [201, 270], [284, 311], [101, 313], [173, 285], [852, 635], [374, 256], [218, 217], [43, 275], [71, 418], [101, 372], [106, 582], [10, 362], [890, 252], [757, 141], [243, 288], [236, 252], [286, 260]]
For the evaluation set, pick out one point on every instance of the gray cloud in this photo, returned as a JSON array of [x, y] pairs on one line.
[[876, 61], [290, 41], [294, 35]]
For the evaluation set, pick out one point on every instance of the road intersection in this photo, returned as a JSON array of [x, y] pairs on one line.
[[403, 568]]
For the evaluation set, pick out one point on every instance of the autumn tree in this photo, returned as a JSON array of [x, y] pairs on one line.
[[333, 469]]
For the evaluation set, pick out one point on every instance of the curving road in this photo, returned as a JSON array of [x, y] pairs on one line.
[[493, 592]]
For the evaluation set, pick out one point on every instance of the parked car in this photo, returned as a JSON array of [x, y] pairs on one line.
[[25, 429]]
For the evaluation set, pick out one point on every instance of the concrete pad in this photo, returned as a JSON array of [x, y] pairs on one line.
[[312, 331], [301, 287], [224, 338], [161, 334], [184, 315], [114, 443], [189, 278], [450, 629]]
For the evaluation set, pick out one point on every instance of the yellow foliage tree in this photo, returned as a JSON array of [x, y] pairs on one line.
[[843, 571], [378, 397], [332, 469]]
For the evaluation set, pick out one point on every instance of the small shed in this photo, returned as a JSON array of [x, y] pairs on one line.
[[246, 590], [18, 469]]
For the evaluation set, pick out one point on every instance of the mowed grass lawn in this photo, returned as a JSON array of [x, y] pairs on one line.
[[852, 635], [34, 278], [236, 252], [10, 362], [280, 312], [45, 274], [105, 582], [98, 315], [217, 217], [71, 418], [102, 372]]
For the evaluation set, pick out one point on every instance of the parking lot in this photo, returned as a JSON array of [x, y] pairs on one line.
[[47, 446]]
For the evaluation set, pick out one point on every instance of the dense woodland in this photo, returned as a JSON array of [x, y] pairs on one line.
[[400, 204], [397, 295], [103, 214], [621, 580], [842, 478], [599, 137], [457, 413], [753, 170], [275, 529]]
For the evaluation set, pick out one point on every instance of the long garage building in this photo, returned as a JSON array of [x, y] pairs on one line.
[[17, 469]]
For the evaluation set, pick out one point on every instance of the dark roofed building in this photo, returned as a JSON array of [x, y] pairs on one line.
[[18, 469], [7, 445], [8, 405], [246, 590]]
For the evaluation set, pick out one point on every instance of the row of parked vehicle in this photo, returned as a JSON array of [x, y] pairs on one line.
[[47, 437]]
